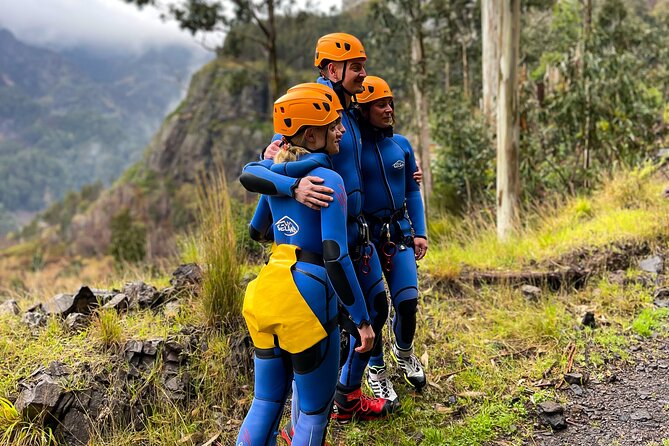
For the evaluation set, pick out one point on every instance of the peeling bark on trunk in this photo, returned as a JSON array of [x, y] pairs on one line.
[[421, 104], [508, 176], [490, 17]]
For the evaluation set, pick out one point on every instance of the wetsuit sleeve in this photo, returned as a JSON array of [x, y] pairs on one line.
[[257, 177], [414, 200], [260, 228], [335, 253]]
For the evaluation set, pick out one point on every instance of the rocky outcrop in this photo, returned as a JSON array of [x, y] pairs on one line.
[[224, 119], [221, 125]]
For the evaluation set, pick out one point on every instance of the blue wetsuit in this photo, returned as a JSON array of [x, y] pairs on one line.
[[394, 210], [311, 256], [257, 178]]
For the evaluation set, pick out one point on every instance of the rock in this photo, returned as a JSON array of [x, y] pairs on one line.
[[119, 302], [76, 321], [34, 319], [188, 275], [589, 319], [641, 415], [531, 292], [140, 295], [550, 407], [578, 390], [10, 307], [552, 414], [58, 369], [654, 264], [42, 396], [75, 428], [84, 301], [575, 378], [151, 346]]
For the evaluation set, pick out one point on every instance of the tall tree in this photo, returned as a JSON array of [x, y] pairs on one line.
[[508, 177], [419, 86], [490, 17], [207, 15], [404, 22]]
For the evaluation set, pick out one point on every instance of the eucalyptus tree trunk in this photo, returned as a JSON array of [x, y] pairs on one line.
[[419, 85], [490, 17], [508, 176]]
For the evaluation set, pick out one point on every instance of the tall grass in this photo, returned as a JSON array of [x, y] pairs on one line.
[[629, 206], [17, 431], [219, 253]]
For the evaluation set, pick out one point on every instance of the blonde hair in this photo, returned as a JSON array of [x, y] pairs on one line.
[[291, 151]]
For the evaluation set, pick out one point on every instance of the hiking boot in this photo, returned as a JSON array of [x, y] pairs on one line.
[[287, 433], [380, 385], [355, 405], [412, 369]]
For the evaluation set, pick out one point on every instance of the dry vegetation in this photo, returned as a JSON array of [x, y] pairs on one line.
[[489, 350]]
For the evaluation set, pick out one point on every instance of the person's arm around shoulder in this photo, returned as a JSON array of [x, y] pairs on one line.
[[338, 262], [257, 177]]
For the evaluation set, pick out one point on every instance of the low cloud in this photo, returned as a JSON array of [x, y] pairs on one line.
[[112, 24]]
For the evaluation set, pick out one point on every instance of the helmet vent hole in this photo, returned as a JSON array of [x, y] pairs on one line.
[[338, 44], [288, 122], [347, 46], [316, 106], [328, 95], [326, 106], [282, 110], [371, 89]]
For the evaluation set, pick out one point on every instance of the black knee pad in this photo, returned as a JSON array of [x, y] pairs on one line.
[[380, 303], [407, 311], [408, 307]]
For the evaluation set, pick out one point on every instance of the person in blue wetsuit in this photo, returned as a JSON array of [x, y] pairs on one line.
[[394, 210], [291, 307], [340, 59]]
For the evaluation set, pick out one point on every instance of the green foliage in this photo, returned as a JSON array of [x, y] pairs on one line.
[[649, 320], [128, 238], [464, 171], [16, 431]]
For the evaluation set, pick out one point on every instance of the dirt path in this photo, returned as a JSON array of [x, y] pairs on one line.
[[629, 408]]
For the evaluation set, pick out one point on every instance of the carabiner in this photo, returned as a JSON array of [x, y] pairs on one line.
[[389, 249]]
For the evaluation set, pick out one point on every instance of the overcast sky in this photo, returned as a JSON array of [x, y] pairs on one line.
[[107, 23]]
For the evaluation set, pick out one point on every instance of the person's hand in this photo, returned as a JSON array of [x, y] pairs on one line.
[[420, 247], [418, 175], [366, 338], [272, 149], [311, 194]]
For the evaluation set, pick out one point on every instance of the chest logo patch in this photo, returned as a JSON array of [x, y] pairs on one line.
[[287, 226], [399, 164]]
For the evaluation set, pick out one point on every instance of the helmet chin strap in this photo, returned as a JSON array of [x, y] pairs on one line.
[[338, 86]]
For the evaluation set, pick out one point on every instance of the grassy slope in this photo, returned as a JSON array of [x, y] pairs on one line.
[[486, 349]]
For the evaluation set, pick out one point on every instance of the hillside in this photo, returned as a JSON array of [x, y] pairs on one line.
[[507, 363], [74, 117]]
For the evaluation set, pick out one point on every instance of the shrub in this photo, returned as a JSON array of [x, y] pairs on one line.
[[221, 255]]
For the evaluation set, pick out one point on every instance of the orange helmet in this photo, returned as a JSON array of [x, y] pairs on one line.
[[329, 92], [374, 88], [337, 47], [304, 107]]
